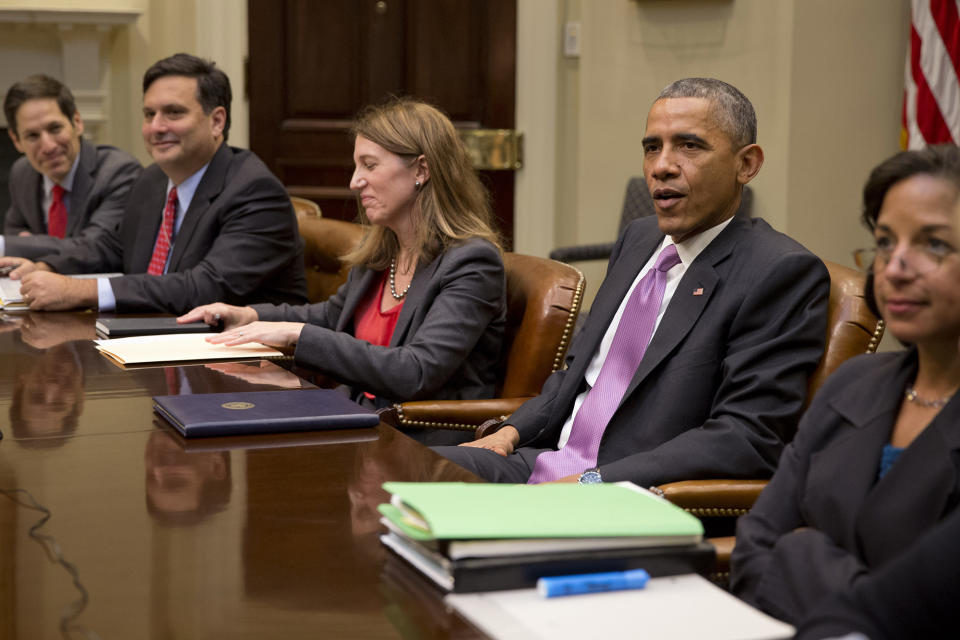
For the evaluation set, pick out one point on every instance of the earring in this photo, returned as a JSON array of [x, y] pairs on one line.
[[416, 185]]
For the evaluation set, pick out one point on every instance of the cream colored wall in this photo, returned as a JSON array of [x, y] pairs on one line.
[[825, 77]]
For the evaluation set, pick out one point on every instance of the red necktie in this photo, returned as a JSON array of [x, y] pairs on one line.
[[160, 250], [57, 215]]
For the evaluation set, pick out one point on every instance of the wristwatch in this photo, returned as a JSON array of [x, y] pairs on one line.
[[590, 476]]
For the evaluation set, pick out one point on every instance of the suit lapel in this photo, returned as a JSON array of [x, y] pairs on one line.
[[151, 216], [37, 222], [82, 190], [207, 191], [354, 295], [685, 308], [616, 286]]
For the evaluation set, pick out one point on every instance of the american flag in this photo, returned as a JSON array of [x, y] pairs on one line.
[[931, 95]]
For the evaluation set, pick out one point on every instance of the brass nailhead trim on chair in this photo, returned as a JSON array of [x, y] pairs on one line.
[[455, 426], [876, 337], [568, 329], [716, 512]]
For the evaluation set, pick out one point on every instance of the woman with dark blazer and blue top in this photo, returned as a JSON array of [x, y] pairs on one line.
[[423, 310], [876, 459]]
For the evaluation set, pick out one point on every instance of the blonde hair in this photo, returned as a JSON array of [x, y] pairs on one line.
[[451, 207]]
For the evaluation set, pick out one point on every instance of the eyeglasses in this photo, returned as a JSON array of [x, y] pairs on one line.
[[922, 259]]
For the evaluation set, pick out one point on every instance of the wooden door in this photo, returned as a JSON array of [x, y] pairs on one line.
[[314, 63]]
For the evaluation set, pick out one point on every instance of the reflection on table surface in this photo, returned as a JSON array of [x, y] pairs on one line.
[[258, 536]]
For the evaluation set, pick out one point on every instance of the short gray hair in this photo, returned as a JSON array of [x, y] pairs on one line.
[[732, 108]]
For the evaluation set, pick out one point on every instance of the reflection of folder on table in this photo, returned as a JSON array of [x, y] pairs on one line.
[[231, 414], [478, 537]]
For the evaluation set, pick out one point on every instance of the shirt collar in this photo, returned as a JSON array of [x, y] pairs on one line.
[[187, 188], [67, 183], [689, 249]]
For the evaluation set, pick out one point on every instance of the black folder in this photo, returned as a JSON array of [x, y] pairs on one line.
[[231, 414], [125, 327]]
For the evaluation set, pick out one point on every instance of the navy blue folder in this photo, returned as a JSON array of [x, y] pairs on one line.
[[231, 414]]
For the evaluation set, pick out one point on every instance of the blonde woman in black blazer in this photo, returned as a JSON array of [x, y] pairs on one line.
[[429, 246], [876, 460]]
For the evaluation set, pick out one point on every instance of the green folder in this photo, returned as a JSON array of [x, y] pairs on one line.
[[465, 511]]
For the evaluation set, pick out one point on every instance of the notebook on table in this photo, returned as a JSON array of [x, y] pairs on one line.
[[123, 327], [481, 537], [232, 414]]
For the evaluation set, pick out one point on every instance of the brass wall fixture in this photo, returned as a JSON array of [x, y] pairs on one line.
[[494, 149]]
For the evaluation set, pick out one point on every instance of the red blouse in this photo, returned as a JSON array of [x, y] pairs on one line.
[[372, 324]]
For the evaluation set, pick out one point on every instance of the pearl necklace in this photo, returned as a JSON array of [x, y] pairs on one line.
[[911, 395], [393, 284]]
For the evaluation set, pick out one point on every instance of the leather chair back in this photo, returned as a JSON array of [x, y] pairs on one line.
[[325, 240], [543, 300], [304, 207], [852, 328]]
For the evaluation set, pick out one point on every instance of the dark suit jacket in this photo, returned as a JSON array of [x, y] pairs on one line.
[[723, 380], [100, 186], [238, 242], [913, 596], [447, 341], [827, 482]]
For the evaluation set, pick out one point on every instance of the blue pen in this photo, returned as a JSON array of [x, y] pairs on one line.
[[592, 583]]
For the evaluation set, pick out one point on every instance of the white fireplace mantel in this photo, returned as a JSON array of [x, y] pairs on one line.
[[77, 38]]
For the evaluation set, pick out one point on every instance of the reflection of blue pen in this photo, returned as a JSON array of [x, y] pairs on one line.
[[592, 583]]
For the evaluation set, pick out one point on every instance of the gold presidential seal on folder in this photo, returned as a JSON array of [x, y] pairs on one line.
[[238, 405]]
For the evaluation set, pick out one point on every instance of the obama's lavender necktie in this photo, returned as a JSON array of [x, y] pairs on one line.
[[626, 351]]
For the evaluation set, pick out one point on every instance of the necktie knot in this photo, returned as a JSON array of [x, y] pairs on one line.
[[667, 259], [58, 192]]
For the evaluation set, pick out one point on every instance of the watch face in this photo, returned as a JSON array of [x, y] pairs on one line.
[[590, 477]]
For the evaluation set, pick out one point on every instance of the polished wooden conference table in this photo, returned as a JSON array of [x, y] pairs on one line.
[[148, 535]]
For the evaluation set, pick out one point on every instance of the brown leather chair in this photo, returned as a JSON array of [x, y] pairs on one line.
[[304, 207], [543, 300], [325, 240], [852, 329]]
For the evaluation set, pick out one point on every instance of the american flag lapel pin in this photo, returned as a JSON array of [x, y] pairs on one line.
[[698, 291]]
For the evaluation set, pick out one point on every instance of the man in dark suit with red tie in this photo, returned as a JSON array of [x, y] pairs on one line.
[[694, 359], [206, 223], [64, 190]]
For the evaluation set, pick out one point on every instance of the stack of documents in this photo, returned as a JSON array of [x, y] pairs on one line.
[[179, 348], [481, 537]]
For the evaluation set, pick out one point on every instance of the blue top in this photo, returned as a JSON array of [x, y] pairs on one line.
[[888, 456]]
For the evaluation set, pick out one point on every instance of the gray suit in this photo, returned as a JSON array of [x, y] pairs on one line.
[[238, 242], [827, 484], [447, 341], [100, 186], [724, 378]]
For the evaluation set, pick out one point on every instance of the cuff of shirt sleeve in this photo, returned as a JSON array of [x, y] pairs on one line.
[[106, 300]]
